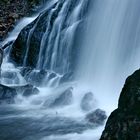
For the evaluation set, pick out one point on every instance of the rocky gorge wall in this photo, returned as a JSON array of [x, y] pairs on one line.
[[11, 11], [124, 122]]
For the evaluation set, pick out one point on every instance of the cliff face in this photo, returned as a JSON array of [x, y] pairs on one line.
[[11, 11], [124, 122]]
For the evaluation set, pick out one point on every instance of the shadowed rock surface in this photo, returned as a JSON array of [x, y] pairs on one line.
[[124, 122]]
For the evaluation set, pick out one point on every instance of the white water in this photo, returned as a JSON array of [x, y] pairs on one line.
[[111, 49]]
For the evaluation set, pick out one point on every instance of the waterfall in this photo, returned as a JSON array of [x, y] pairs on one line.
[[110, 51], [77, 53], [49, 40]]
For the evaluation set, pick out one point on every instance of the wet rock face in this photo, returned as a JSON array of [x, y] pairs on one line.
[[124, 122], [11, 11], [34, 33]]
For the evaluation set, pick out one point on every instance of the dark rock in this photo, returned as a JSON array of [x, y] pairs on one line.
[[8, 44], [35, 34], [37, 77], [88, 102], [62, 99], [13, 10], [7, 94], [25, 71], [98, 117], [124, 122], [26, 90]]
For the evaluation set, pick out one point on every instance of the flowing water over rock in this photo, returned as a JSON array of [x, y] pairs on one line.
[[44, 56], [77, 54]]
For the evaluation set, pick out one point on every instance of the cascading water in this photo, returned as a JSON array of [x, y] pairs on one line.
[[97, 43], [111, 48]]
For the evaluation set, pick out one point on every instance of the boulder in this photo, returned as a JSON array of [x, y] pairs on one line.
[[26, 90], [98, 117], [88, 102], [37, 77], [7, 94], [63, 99], [124, 122], [12, 77]]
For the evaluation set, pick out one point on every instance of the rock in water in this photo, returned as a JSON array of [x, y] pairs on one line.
[[7, 94], [97, 117], [63, 99], [124, 122], [88, 102], [26, 90], [37, 43]]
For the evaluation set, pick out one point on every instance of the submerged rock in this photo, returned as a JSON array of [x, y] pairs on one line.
[[124, 122], [98, 117], [13, 10], [88, 102]]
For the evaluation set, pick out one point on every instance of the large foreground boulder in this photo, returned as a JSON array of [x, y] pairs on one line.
[[124, 122]]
